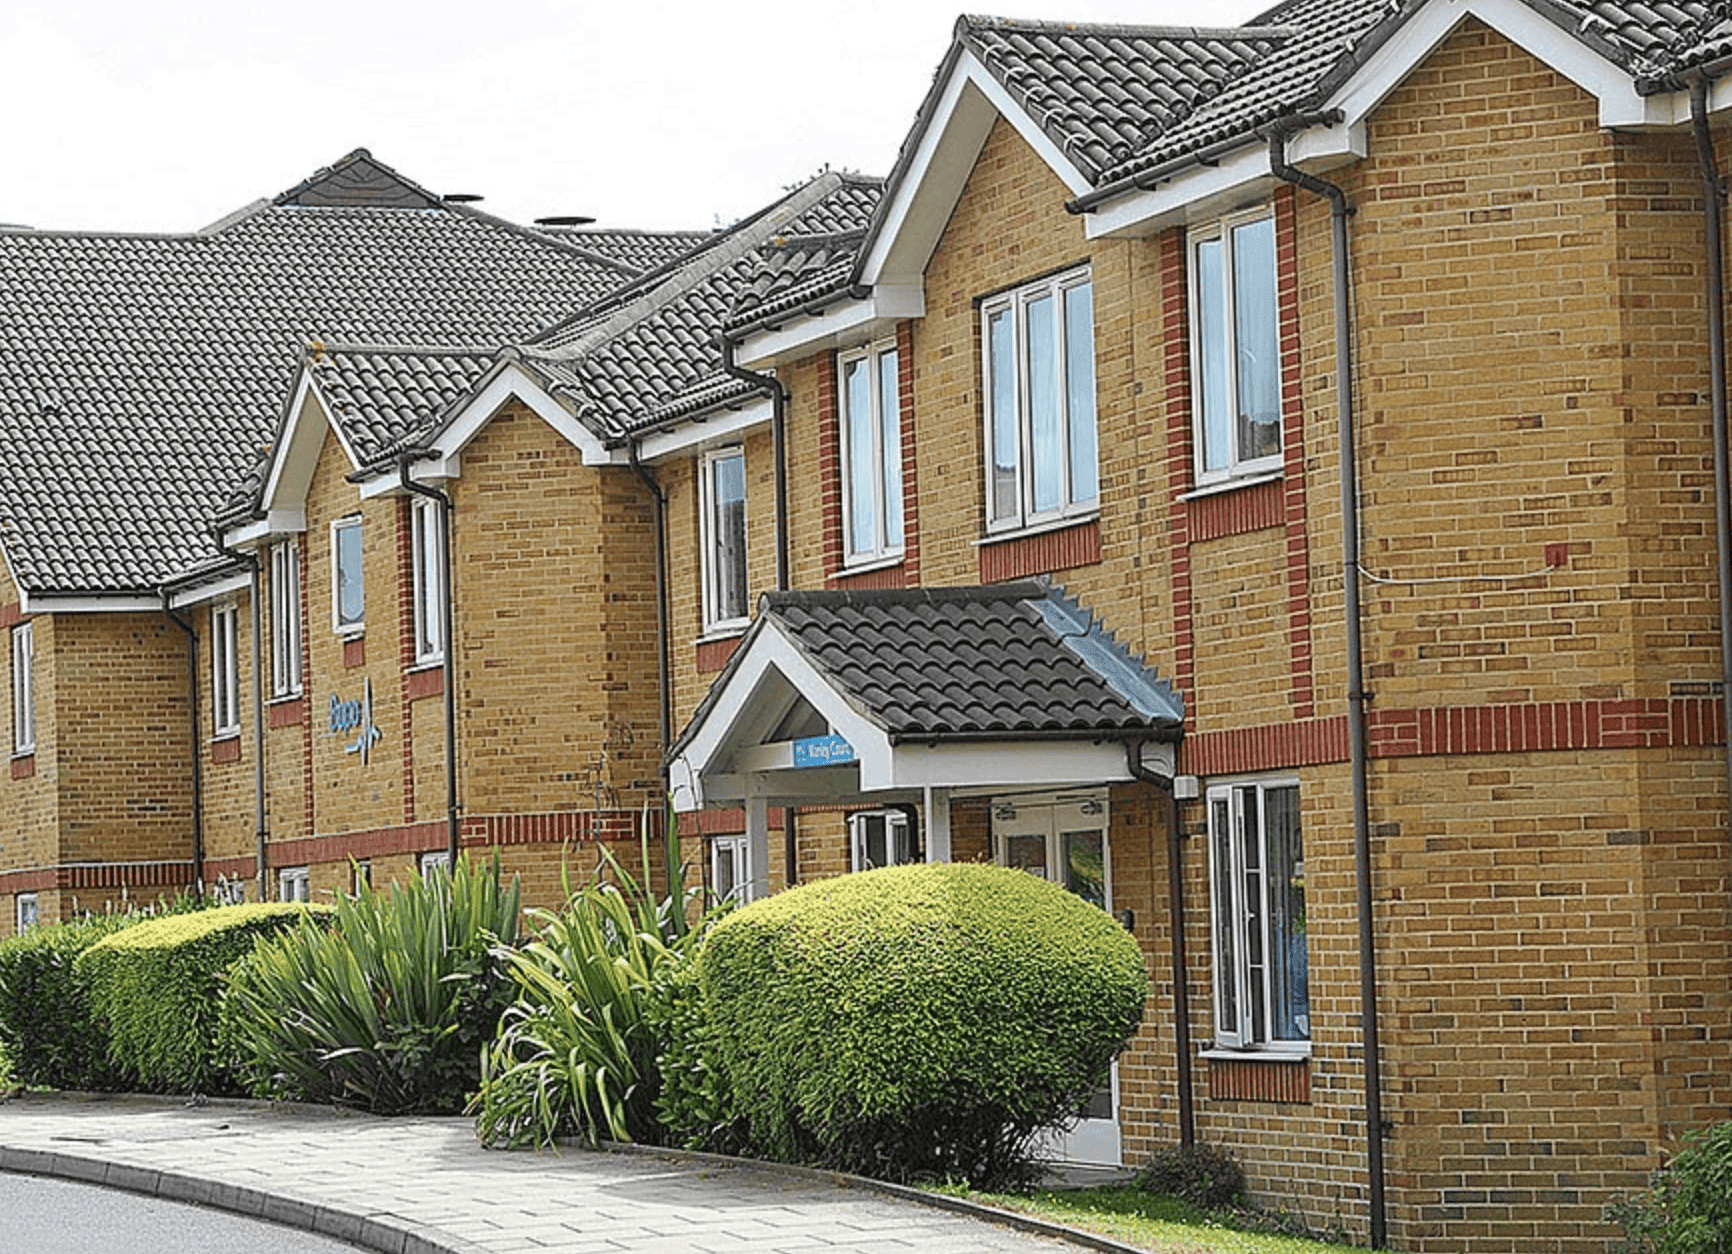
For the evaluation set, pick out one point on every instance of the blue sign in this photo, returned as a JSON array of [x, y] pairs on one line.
[[356, 716], [822, 751]]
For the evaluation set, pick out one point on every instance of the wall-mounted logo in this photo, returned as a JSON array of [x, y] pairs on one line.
[[356, 716]]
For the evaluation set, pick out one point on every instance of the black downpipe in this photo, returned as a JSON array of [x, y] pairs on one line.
[[168, 612], [1356, 695], [664, 666], [1176, 924], [448, 641], [778, 447], [261, 826], [1713, 192]]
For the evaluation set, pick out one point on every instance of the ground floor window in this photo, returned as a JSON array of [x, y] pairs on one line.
[[361, 875], [293, 884], [435, 860], [729, 879], [1257, 898], [882, 838], [28, 912]]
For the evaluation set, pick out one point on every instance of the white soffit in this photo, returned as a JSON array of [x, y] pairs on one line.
[[846, 324], [226, 586], [512, 382], [971, 101], [28, 604], [695, 433]]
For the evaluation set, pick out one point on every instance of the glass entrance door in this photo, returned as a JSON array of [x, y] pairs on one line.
[[1064, 839]]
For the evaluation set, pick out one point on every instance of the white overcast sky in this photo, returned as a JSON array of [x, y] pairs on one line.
[[168, 114]]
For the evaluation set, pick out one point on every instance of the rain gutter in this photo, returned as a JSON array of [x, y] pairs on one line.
[[173, 616], [664, 665]]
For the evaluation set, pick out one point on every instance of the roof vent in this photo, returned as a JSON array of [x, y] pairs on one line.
[[564, 220], [461, 198]]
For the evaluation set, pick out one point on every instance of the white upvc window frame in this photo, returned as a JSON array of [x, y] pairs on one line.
[[344, 624], [286, 674], [225, 679], [728, 854], [869, 434], [899, 839], [1018, 498], [27, 913], [725, 567], [1233, 361], [427, 579], [434, 861], [1246, 919], [294, 883], [23, 689]]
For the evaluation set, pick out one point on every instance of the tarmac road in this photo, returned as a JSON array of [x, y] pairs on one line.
[[56, 1217]]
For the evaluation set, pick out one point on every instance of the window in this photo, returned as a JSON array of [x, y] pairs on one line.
[[1257, 891], [227, 892], [360, 875], [348, 591], [433, 862], [729, 880], [28, 913], [285, 618], [23, 689], [1038, 348], [293, 884], [882, 838], [724, 539], [224, 673], [1236, 349], [427, 568], [871, 416]]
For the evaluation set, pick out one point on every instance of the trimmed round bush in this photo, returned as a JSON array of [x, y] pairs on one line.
[[918, 1022]]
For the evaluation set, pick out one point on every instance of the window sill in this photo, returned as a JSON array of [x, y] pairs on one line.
[[726, 631], [870, 566], [1045, 527], [425, 664], [1231, 485], [1218, 1053]]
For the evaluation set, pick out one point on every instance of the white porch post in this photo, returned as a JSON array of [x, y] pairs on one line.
[[757, 843], [937, 824]]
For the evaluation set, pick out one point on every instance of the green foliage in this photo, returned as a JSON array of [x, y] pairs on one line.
[[577, 1052], [156, 990], [1688, 1206], [1203, 1175], [918, 1022], [695, 1104], [46, 1025], [388, 1009]]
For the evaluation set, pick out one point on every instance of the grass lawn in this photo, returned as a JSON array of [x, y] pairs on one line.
[[1162, 1224]]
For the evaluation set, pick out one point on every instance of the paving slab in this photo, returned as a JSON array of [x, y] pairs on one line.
[[424, 1186]]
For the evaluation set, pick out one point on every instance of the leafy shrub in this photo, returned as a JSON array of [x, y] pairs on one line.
[[46, 1025], [387, 1009], [156, 989], [1203, 1175], [694, 1105], [1688, 1206], [919, 1021], [577, 1051]]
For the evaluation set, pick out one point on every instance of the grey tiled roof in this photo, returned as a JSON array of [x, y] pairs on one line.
[[1018, 659], [648, 354], [141, 375], [640, 251], [795, 272], [384, 397]]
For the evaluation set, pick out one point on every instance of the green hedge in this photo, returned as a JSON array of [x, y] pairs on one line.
[[46, 1024], [918, 1022], [156, 991]]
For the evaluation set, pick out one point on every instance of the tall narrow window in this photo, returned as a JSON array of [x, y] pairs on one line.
[[427, 567], [29, 913], [224, 672], [23, 688], [1236, 349], [348, 590], [1257, 890], [724, 517], [871, 415], [1039, 388], [728, 878], [882, 838], [285, 618]]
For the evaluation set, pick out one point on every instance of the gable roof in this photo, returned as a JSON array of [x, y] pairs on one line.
[[143, 373]]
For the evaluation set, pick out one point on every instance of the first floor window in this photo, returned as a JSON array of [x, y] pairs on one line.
[[427, 571], [871, 420], [728, 877], [285, 618], [294, 884], [724, 539], [224, 672], [1038, 351], [1257, 891], [882, 838], [28, 912], [1236, 348], [23, 688], [348, 590]]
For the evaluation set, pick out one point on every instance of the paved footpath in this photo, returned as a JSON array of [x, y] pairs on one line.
[[423, 1186]]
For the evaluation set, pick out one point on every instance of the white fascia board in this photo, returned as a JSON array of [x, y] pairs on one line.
[[297, 451], [123, 604], [972, 99], [1197, 192], [697, 432], [845, 325], [1000, 763], [227, 586], [278, 522], [514, 383], [432, 472]]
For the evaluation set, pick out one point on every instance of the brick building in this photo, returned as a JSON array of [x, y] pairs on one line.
[[1264, 479]]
